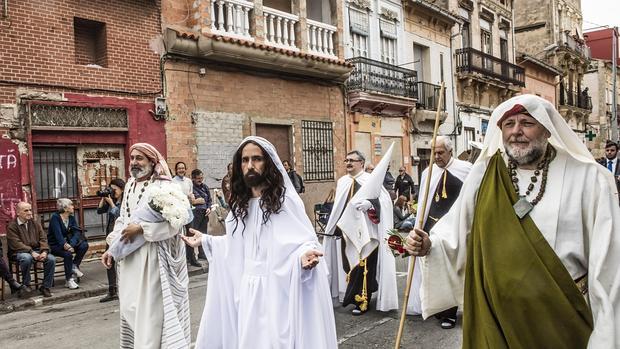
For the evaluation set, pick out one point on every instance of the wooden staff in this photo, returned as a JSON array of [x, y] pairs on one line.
[[403, 313]]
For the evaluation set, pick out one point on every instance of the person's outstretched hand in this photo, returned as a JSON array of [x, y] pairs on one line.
[[310, 259], [194, 240]]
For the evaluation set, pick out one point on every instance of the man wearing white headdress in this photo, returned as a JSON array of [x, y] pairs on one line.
[[153, 281], [266, 286], [354, 274], [532, 245], [447, 179]]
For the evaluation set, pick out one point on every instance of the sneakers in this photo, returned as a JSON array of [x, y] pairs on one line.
[[77, 272], [45, 291], [71, 284]]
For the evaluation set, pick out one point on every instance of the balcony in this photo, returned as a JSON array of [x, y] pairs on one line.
[[575, 99], [428, 96], [377, 87], [469, 60], [569, 41], [267, 37]]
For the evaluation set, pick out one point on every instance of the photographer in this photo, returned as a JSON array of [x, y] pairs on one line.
[[111, 198]]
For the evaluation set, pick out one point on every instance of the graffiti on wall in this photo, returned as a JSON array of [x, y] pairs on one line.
[[10, 185], [97, 166]]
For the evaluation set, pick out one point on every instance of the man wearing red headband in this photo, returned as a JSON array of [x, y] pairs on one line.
[[531, 246]]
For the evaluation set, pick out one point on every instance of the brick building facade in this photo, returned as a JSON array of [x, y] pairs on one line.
[[268, 68], [77, 85]]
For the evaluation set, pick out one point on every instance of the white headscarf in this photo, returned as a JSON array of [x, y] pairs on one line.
[[562, 137]]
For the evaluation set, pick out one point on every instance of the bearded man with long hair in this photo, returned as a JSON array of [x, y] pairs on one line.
[[266, 287]]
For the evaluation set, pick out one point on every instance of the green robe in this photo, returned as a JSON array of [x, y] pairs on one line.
[[518, 294]]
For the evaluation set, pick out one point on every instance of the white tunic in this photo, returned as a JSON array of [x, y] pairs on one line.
[[579, 217], [139, 284], [258, 295]]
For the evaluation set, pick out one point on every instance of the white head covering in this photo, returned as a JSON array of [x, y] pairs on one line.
[[562, 137]]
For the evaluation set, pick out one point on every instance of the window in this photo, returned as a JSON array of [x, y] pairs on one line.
[[465, 27], [359, 32], [503, 44], [388, 41], [470, 135], [441, 67], [317, 150], [90, 42]]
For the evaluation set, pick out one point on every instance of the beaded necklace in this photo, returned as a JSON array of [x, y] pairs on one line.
[[132, 191], [522, 207]]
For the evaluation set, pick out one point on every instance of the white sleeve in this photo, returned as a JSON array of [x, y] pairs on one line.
[[443, 269], [158, 231]]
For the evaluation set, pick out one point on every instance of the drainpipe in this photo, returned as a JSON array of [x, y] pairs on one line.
[[454, 114]]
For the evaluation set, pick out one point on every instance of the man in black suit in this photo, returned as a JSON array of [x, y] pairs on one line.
[[611, 161]]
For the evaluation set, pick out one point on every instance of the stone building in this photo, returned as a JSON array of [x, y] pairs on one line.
[[78, 81], [272, 68], [541, 78], [599, 80], [428, 28], [484, 64], [381, 95], [552, 31]]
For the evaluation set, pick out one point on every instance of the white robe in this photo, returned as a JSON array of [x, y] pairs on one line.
[[258, 296], [139, 284], [458, 168], [387, 294], [579, 217]]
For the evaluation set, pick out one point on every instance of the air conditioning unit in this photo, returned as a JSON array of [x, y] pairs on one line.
[[160, 106]]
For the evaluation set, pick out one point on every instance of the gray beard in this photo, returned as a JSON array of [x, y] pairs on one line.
[[527, 156], [141, 173]]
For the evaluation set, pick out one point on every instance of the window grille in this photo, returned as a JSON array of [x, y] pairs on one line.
[[317, 150]]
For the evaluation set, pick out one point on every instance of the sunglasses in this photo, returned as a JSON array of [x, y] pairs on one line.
[[346, 161]]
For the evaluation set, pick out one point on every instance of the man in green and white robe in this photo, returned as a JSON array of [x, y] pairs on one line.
[[547, 280]]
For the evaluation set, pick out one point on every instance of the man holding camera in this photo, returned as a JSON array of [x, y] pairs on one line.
[[110, 203]]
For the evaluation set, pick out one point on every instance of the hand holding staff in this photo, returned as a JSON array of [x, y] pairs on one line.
[[420, 221]]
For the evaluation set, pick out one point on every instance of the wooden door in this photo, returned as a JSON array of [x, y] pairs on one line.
[[279, 136]]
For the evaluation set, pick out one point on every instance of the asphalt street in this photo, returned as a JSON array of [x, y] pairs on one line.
[[86, 323]]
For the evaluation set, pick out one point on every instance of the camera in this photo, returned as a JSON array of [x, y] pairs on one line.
[[104, 192]]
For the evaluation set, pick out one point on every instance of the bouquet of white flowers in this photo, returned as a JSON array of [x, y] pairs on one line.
[[164, 202]]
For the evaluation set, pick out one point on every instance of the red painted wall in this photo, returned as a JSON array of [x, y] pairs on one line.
[[600, 42]]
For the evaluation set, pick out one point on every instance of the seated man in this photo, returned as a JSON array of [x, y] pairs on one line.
[[28, 244], [65, 237], [5, 273]]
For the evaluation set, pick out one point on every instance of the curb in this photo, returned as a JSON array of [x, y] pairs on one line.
[[38, 301]]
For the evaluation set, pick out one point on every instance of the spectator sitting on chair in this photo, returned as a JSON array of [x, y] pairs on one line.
[[66, 238], [6, 274], [111, 205], [401, 212], [28, 244]]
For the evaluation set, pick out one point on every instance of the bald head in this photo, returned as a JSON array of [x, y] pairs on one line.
[[23, 211]]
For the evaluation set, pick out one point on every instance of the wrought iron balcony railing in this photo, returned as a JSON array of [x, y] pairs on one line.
[[469, 60], [374, 76], [428, 96], [575, 98]]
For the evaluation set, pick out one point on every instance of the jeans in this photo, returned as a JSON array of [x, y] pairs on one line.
[[25, 261], [68, 260]]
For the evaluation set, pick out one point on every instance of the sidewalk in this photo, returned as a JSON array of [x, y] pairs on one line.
[[93, 283]]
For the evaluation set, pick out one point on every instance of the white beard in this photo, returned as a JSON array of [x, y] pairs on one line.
[[526, 156], [143, 172]]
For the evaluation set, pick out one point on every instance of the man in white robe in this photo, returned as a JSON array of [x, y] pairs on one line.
[[345, 280], [448, 176], [579, 229], [153, 281], [266, 287]]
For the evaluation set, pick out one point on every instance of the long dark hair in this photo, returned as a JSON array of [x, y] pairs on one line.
[[272, 196]]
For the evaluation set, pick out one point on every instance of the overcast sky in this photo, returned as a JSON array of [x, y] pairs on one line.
[[600, 12]]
